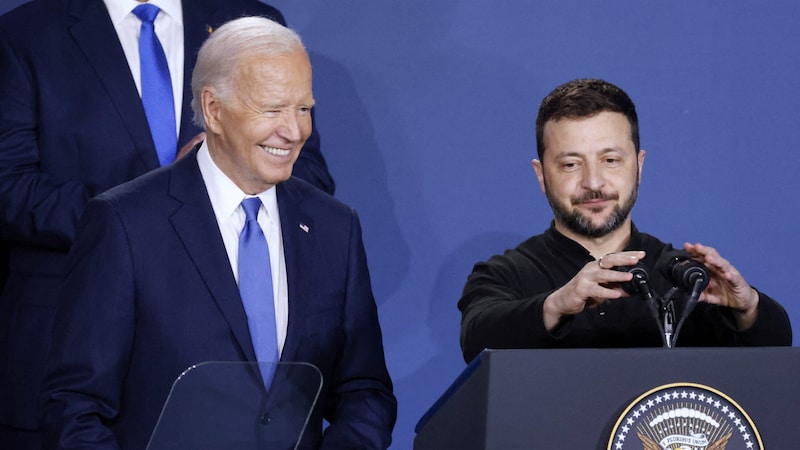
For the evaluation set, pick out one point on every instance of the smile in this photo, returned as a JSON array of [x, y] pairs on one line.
[[592, 204], [276, 151], [594, 199]]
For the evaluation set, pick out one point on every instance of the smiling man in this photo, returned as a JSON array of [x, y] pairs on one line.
[[559, 289], [222, 256]]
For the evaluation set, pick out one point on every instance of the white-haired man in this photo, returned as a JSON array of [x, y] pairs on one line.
[[153, 288]]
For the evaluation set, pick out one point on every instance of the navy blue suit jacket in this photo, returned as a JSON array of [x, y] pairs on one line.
[[151, 292], [72, 126]]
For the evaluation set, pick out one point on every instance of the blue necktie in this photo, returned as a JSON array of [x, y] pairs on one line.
[[157, 97], [255, 288]]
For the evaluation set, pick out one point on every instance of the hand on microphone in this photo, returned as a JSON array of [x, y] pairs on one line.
[[726, 286], [596, 283]]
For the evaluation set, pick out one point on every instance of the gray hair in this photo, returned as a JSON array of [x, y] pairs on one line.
[[221, 54]]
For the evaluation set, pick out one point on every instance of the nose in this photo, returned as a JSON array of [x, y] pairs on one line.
[[292, 126], [593, 177]]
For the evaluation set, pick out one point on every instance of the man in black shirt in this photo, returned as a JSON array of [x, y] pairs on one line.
[[560, 289]]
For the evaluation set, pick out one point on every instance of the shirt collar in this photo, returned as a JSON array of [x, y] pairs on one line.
[[118, 10], [555, 236], [224, 194]]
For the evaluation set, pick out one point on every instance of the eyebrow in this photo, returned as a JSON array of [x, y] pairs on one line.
[[582, 154], [284, 105]]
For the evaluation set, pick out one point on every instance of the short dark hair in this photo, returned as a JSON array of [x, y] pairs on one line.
[[582, 98]]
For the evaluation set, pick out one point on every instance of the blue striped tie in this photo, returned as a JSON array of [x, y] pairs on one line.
[[255, 288], [157, 98]]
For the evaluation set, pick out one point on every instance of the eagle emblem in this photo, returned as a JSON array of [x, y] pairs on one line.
[[684, 416]]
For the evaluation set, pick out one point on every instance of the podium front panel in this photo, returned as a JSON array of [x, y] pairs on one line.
[[572, 399]]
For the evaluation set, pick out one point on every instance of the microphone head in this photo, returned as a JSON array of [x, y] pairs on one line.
[[639, 280], [667, 261], [682, 270]]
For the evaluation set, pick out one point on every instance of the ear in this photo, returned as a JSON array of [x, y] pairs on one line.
[[641, 163], [212, 108], [537, 167]]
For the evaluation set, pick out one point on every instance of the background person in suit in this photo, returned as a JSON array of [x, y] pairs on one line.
[[559, 290], [72, 125], [152, 284]]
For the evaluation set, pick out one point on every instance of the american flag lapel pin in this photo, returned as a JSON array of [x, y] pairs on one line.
[[304, 227]]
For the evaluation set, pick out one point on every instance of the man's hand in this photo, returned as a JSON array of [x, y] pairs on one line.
[[596, 283], [726, 287], [190, 145]]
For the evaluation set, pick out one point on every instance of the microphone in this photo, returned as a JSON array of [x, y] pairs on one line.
[[687, 274], [639, 283], [683, 271]]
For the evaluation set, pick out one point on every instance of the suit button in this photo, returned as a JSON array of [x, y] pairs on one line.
[[265, 419]]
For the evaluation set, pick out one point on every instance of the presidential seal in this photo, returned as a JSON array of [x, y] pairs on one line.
[[684, 416]]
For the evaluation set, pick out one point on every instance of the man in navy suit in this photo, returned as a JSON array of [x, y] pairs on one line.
[[152, 283], [72, 125]]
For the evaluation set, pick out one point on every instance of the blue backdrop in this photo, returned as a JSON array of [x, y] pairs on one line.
[[426, 110]]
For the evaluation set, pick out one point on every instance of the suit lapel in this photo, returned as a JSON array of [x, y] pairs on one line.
[[299, 246], [94, 34], [196, 29], [196, 226]]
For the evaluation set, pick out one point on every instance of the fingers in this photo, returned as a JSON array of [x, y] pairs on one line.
[[190, 145], [594, 284], [727, 285], [629, 258], [602, 281], [598, 281], [712, 259]]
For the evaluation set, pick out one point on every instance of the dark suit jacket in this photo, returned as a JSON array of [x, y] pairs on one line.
[[151, 292], [71, 126]]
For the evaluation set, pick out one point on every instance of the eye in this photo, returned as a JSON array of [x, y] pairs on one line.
[[569, 166], [304, 110]]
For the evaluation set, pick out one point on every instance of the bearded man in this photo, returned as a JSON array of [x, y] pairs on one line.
[[566, 288]]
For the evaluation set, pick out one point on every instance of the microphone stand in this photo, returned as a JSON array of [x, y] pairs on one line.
[[639, 282], [667, 319], [691, 302]]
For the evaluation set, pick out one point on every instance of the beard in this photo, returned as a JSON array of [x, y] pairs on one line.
[[578, 223]]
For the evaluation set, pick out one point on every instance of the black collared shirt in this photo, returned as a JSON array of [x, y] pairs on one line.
[[502, 302]]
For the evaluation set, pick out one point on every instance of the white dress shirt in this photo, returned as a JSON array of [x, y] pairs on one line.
[[226, 199]]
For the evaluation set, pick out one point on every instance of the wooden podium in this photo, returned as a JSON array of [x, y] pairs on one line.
[[576, 399]]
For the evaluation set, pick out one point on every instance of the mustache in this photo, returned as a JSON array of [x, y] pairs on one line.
[[593, 195]]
